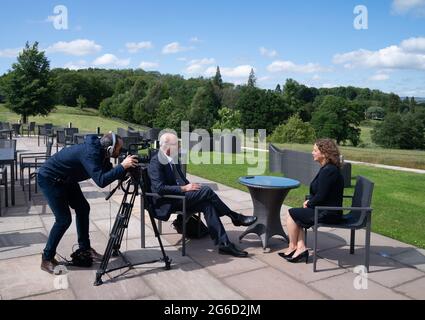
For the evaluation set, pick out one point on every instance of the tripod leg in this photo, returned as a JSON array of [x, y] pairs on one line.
[[114, 241]]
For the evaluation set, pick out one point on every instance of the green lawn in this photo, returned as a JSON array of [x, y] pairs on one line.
[[392, 157], [86, 120], [399, 208]]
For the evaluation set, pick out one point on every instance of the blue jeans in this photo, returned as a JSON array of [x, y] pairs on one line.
[[60, 197]]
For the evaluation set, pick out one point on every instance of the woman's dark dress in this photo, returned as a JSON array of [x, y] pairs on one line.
[[326, 189]]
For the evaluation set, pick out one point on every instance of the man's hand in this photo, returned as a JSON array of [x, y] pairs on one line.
[[130, 162], [305, 204], [191, 187]]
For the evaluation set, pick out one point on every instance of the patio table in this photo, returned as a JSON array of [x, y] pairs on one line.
[[268, 194]]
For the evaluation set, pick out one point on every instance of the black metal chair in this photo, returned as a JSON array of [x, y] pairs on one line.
[[16, 127], [45, 131], [146, 202], [32, 160], [359, 217], [3, 181], [62, 139], [69, 134], [28, 128]]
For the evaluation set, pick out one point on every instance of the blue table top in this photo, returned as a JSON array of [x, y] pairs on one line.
[[269, 182]]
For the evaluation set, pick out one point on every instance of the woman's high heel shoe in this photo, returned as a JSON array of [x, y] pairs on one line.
[[286, 256], [299, 258]]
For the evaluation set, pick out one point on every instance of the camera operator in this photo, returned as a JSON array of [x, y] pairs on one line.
[[58, 179]]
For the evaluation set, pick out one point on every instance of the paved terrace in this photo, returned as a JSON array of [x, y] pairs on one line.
[[397, 269]]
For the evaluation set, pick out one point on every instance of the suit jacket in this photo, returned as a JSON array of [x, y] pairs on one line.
[[327, 188], [163, 181], [81, 162]]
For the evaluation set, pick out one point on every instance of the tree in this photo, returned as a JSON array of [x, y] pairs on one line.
[[81, 102], [338, 119], [295, 131], [144, 111], [218, 81], [252, 79], [228, 119], [278, 89], [201, 114], [387, 134], [169, 115], [28, 87]]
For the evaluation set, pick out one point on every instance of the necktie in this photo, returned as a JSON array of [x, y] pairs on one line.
[[179, 179]]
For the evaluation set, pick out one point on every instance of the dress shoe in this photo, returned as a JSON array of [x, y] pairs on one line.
[[299, 258], [49, 265], [286, 256], [94, 255], [232, 250], [241, 220]]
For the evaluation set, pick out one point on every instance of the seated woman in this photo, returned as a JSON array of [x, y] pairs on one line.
[[326, 189]]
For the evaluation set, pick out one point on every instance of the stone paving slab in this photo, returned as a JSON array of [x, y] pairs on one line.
[[22, 277], [414, 257], [414, 289], [383, 270], [268, 283], [15, 223], [301, 271], [342, 288], [21, 243], [378, 243], [56, 295], [191, 282]]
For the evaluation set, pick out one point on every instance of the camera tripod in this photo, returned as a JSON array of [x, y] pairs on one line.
[[130, 185]]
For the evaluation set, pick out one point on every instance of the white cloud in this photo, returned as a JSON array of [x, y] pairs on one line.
[[268, 53], [79, 47], [134, 47], [182, 59], [147, 65], [264, 79], [174, 47], [10, 53], [316, 77], [379, 77], [81, 64], [111, 60], [406, 6], [409, 55], [197, 66], [289, 66], [414, 45], [236, 72]]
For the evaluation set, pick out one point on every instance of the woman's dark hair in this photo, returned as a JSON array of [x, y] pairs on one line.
[[330, 151]]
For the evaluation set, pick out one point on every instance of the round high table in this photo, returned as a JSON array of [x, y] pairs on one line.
[[267, 195]]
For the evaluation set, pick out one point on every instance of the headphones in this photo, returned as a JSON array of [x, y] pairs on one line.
[[110, 149]]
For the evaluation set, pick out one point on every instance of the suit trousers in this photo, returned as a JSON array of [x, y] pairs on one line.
[[207, 201]]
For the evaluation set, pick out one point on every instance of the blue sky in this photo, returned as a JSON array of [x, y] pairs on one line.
[[314, 42]]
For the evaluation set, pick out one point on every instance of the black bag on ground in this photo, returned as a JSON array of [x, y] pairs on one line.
[[81, 258], [195, 227]]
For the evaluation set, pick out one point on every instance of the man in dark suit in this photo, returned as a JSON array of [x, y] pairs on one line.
[[168, 179]]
